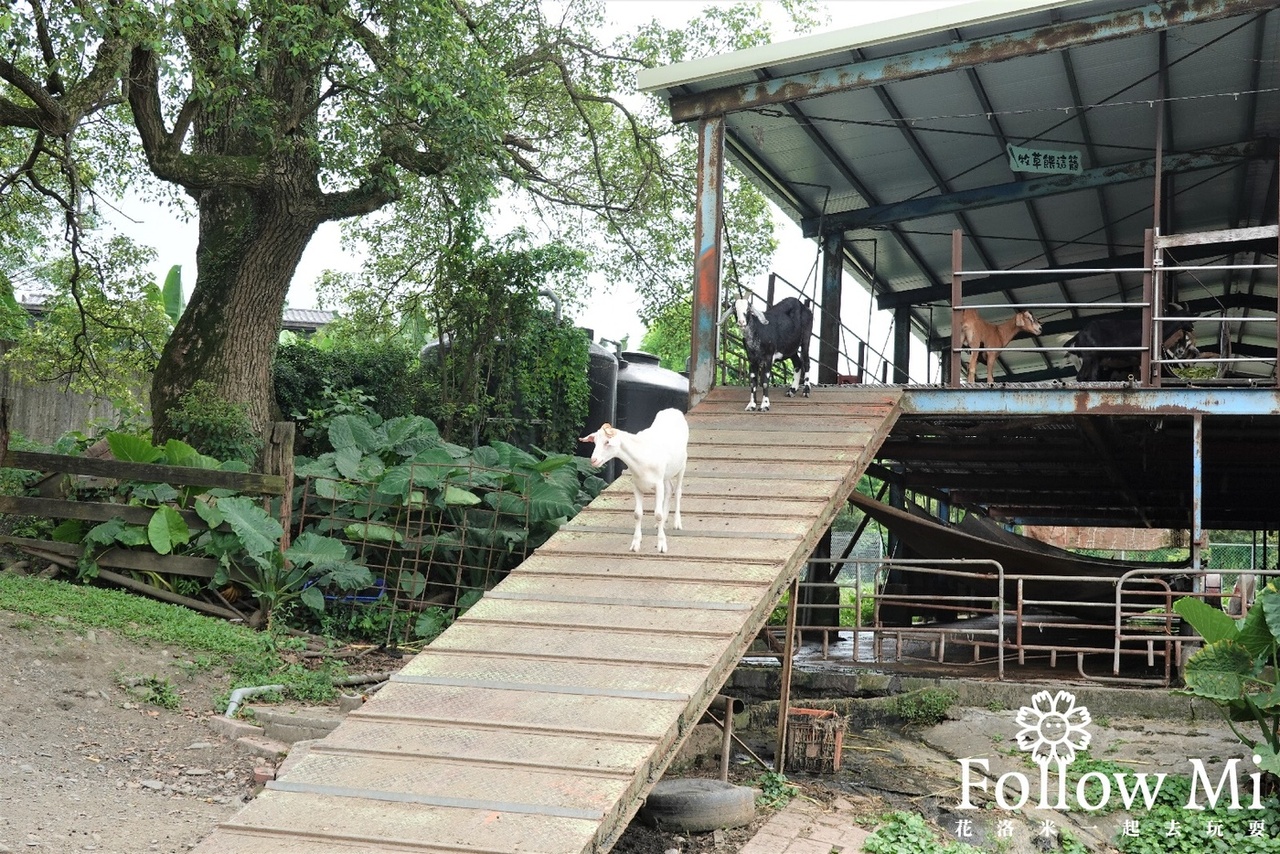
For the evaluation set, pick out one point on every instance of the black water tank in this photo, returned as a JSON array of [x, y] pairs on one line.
[[602, 384], [645, 388]]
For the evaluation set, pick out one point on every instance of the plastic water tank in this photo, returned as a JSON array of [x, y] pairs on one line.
[[602, 384], [645, 388]]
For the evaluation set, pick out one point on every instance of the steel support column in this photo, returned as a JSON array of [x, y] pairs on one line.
[[902, 345], [708, 229], [1197, 489], [829, 328]]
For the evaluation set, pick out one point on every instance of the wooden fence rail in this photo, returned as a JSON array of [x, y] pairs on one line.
[[275, 484]]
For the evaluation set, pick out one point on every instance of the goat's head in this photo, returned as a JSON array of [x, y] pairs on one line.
[[742, 307], [1181, 344], [1027, 322], [607, 443]]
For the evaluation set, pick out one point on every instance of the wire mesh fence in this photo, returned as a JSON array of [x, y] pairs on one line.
[[434, 537]]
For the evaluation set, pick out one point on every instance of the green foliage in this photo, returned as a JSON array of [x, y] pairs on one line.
[[138, 618], [776, 791], [102, 327], [214, 426], [1236, 670], [924, 707], [242, 536], [503, 364], [667, 335], [1170, 828], [417, 498], [153, 691], [907, 833]]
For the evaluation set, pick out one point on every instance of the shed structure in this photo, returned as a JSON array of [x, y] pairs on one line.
[[1050, 135]]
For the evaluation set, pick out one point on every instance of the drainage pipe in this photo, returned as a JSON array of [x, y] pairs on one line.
[[239, 695]]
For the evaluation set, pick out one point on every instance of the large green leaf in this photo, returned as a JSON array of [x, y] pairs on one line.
[[396, 482], [1219, 671], [167, 529], [174, 304], [369, 532], [549, 500], [313, 599], [1269, 600], [312, 549], [259, 534], [509, 456], [1255, 635], [352, 431], [347, 461], [508, 503], [179, 453], [128, 448], [209, 513], [1210, 623], [455, 496], [347, 575]]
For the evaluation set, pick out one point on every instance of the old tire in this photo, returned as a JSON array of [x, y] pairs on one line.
[[696, 805]]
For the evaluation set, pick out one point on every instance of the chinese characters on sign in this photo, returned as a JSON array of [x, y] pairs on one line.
[[1036, 160]]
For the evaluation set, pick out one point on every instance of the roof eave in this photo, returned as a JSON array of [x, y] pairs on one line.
[[664, 79]]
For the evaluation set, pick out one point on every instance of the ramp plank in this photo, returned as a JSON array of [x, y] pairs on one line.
[[542, 717]]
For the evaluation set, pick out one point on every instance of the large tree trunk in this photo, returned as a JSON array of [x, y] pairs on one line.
[[250, 244]]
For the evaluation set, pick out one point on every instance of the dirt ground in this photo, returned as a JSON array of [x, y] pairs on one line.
[[87, 765]]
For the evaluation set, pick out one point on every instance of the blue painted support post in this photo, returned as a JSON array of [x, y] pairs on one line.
[[957, 300], [829, 328], [1153, 296], [1197, 491], [707, 230]]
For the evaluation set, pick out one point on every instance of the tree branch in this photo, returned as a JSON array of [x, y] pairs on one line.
[[164, 149]]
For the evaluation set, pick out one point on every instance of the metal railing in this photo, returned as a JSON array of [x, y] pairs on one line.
[[1003, 619]]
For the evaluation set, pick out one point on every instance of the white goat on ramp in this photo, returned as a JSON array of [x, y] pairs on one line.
[[656, 457]]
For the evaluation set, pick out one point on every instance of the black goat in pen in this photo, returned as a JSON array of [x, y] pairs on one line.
[[780, 332], [1102, 365]]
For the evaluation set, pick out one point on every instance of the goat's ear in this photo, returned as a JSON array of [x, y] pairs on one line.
[[609, 430], [590, 437]]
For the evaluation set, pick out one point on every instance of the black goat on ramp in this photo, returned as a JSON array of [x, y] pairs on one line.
[[781, 332]]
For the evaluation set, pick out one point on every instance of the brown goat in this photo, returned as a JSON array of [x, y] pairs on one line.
[[991, 337]]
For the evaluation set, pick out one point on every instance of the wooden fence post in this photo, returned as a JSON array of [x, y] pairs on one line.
[[277, 458]]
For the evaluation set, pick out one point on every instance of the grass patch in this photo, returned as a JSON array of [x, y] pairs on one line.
[[907, 833], [251, 657], [925, 707]]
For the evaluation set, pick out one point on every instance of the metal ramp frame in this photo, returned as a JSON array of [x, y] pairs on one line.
[[539, 721]]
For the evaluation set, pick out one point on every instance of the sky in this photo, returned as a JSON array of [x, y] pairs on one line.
[[612, 313]]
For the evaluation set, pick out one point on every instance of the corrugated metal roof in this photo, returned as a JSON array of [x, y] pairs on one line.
[[894, 134]]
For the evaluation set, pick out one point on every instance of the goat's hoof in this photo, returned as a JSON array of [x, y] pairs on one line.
[[635, 546], [764, 408], [791, 392], [751, 407]]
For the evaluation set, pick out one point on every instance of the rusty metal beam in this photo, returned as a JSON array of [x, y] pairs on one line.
[[1036, 188], [1148, 18], [708, 229]]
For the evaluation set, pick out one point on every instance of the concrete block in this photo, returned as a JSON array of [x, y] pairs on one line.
[[261, 746], [232, 728]]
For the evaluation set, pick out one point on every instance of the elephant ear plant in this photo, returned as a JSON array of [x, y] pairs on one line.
[[1238, 670]]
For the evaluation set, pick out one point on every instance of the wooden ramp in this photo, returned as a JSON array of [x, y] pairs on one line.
[[540, 720]]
